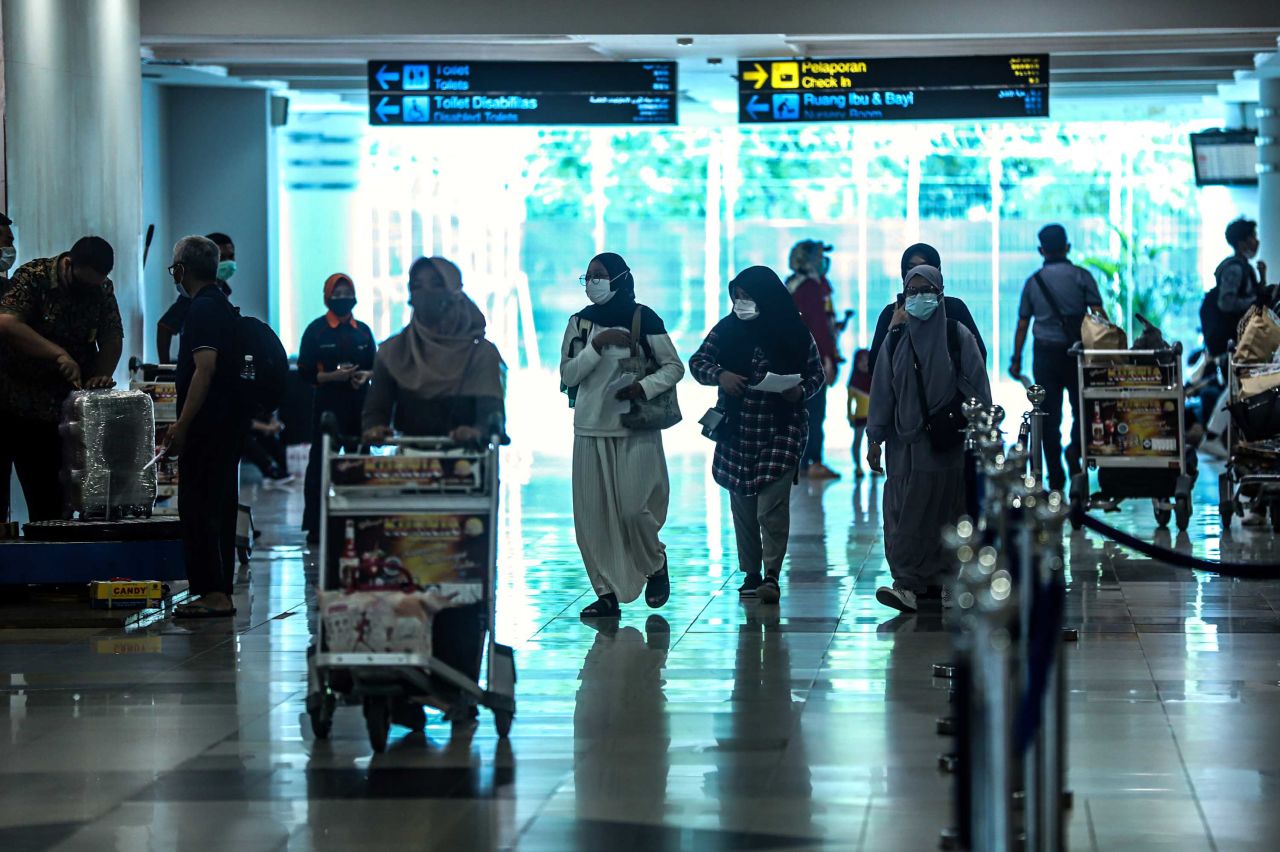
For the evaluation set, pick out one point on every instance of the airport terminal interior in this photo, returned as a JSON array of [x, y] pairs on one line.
[[975, 547]]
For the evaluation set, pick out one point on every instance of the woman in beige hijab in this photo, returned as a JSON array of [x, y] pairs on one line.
[[439, 376]]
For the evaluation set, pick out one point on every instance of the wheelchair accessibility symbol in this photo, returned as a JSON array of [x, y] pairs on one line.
[[786, 107]]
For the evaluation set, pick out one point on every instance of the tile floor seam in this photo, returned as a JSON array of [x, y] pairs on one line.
[[1088, 821], [1177, 746]]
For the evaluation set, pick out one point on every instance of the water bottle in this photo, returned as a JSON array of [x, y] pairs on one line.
[[247, 372]]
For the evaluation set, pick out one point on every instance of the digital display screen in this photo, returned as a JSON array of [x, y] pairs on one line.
[[1225, 157], [418, 94], [797, 90]]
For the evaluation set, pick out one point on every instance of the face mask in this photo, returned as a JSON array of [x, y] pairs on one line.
[[745, 309], [598, 290], [430, 304], [342, 307], [226, 269], [8, 255], [922, 305]]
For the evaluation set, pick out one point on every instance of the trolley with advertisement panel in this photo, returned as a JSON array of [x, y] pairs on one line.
[[1250, 483], [408, 532], [1133, 431]]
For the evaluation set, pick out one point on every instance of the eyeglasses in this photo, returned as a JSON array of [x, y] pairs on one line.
[[175, 266], [583, 279]]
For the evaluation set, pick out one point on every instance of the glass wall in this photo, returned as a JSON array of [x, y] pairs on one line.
[[522, 211]]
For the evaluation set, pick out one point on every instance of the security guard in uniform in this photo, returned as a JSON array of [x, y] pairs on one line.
[[336, 355]]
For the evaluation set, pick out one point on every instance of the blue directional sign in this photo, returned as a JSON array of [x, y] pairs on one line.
[[777, 90], [403, 93]]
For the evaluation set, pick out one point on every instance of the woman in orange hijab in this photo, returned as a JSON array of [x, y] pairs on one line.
[[336, 355]]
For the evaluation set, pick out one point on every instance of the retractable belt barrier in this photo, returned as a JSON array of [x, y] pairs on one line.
[[1247, 570]]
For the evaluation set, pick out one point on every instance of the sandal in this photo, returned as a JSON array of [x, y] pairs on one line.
[[200, 610], [605, 607], [657, 589]]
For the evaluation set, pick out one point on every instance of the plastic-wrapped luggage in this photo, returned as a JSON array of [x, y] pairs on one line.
[[108, 440]]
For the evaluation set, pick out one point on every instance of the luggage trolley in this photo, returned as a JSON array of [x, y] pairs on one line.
[[1132, 431], [407, 532], [1251, 480]]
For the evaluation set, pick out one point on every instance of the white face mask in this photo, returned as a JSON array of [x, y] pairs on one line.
[[8, 255], [745, 309], [598, 290]]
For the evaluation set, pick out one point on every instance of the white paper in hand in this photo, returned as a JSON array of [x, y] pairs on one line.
[[773, 383], [613, 405]]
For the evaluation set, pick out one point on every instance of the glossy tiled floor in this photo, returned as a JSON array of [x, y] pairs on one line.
[[711, 725]]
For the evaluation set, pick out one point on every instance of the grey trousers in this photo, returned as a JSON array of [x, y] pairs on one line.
[[762, 524]]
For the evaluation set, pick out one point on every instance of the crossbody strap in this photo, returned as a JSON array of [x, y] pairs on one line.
[[1053, 302]]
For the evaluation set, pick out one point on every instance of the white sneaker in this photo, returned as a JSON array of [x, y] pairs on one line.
[[900, 599]]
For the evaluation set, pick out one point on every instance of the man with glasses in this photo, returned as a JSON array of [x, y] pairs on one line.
[[60, 330]]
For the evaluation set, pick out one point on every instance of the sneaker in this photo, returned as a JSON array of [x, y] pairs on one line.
[[818, 470], [750, 583], [1255, 519], [947, 600], [903, 600], [768, 591]]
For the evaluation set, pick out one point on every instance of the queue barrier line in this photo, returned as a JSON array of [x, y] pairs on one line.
[[1246, 570]]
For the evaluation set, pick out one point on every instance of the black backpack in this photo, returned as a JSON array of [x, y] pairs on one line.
[[263, 387]]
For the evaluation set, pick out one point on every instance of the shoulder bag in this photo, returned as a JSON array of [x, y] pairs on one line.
[[944, 427], [647, 415]]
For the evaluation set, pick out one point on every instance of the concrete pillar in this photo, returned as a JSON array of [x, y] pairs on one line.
[[72, 107], [1269, 172]]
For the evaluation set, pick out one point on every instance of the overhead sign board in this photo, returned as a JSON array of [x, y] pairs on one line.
[[788, 90], [461, 92]]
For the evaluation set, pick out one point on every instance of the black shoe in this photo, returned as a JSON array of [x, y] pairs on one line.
[[406, 714], [658, 588], [605, 607], [750, 583], [768, 592]]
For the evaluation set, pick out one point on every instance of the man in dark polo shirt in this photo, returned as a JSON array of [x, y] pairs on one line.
[[170, 325], [59, 330], [209, 433], [1057, 298]]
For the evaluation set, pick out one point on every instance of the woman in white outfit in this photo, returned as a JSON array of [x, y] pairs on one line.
[[620, 486]]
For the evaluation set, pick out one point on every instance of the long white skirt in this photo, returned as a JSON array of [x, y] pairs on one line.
[[620, 496]]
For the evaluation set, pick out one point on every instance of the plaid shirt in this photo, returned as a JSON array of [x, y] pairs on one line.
[[766, 439]]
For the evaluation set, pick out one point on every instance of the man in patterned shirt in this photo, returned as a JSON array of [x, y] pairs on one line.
[[59, 330]]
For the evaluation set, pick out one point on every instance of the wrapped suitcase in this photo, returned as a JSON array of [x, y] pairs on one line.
[[108, 441]]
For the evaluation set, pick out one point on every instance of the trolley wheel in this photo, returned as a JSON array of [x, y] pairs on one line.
[[1182, 508], [1162, 514], [320, 708], [502, 720], [377, 718]]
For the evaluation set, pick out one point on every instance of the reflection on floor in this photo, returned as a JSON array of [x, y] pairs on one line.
[[709, 725]]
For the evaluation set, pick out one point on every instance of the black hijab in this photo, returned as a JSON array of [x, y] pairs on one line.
[[779, 330], [618, 311], [922, 250]]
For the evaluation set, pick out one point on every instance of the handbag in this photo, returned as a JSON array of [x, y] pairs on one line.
[[647, 415], [1259, 336], [1258, 416], [944, 427]]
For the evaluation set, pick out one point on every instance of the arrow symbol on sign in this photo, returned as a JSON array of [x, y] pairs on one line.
[[754, 107], [385, 77], [384, 109], [758, 76]]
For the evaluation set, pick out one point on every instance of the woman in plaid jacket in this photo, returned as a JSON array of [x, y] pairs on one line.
[[760, 441]]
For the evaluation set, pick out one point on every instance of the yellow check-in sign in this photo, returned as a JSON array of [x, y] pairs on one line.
[[785, 75]]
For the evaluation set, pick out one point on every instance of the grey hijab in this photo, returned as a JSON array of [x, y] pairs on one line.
[[923, 342]]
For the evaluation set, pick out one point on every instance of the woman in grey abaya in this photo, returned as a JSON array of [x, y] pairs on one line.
[[925, 488]]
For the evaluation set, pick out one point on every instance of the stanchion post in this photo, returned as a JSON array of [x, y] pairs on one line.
[[1036, 395]]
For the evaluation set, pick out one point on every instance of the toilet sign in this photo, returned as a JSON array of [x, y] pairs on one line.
[[407, 93], [915, 89]]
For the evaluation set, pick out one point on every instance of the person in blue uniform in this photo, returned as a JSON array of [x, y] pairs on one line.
[[336, 356]]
